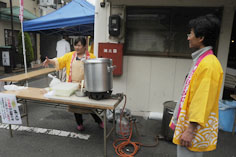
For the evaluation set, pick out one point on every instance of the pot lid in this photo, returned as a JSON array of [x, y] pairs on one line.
[[98, 60]]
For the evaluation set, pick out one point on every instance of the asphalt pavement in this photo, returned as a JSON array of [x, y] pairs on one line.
[[32, 144]]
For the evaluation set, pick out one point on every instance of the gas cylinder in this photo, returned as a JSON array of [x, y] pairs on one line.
[[122, 127], [122, 124]]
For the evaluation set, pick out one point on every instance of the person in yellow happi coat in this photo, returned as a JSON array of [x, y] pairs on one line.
[[73, 62], [195, 118]]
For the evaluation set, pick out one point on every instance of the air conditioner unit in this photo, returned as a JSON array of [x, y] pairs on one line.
[[46, 2]]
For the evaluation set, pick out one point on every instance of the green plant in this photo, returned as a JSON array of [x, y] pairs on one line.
[[28, 48]]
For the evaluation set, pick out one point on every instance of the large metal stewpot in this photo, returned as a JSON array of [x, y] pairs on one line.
[[98, 74]]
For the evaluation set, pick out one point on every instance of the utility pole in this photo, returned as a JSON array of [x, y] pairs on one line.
[[12, 60], [12, 29]]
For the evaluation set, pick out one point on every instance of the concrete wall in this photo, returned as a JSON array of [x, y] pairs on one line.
[[149, 81], [46, 10], [28, 4], [6, 25]]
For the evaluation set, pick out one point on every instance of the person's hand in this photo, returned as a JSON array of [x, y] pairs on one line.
[[186, 138], [188, 135], [46, 62]]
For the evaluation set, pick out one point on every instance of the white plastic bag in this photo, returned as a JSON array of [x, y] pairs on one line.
[[54, 81], [109, 115], [14, 87]]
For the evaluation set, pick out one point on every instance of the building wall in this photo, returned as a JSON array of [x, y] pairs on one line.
[[6, 25], [149, 81], [30, 5], [46, 10]]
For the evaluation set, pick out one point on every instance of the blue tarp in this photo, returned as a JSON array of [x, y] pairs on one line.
[[227, 104], [227, 110], [78, 15]]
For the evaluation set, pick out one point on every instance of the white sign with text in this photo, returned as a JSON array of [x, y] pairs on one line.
[[9, 109], [5, 58]]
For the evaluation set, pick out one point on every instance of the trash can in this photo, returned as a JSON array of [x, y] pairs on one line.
[[6, 58], [166, 131], [227, 119]]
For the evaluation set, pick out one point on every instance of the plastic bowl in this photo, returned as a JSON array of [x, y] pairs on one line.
[[80, 93]]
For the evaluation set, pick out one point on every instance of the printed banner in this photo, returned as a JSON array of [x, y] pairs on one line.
[[9, 109], [21, 13]]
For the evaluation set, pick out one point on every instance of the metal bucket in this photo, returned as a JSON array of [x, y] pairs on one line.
[[166, 131], [98, 74]]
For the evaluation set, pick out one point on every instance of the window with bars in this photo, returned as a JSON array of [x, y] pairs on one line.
[[3, 5], [8, 39]]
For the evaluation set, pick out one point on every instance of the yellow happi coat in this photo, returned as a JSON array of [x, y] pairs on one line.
[[201, 106], [65, 61]]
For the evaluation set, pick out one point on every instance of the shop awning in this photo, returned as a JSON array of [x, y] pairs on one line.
[[5, 14]]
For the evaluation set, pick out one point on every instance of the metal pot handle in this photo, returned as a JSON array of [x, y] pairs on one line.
[[111, 68]]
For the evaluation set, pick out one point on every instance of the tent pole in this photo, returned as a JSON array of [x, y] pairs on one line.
[[22, 34]]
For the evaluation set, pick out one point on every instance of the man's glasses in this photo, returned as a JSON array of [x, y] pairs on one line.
[[188, 35]]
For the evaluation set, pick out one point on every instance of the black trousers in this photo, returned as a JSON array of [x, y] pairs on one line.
[[79, 118]]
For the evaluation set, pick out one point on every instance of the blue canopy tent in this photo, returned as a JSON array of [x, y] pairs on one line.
[[75, 18]]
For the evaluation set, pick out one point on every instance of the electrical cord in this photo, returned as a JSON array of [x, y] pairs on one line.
[[124, 142]]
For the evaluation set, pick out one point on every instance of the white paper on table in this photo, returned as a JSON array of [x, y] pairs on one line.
[[14, 87], [49, 94], [9, 109]]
